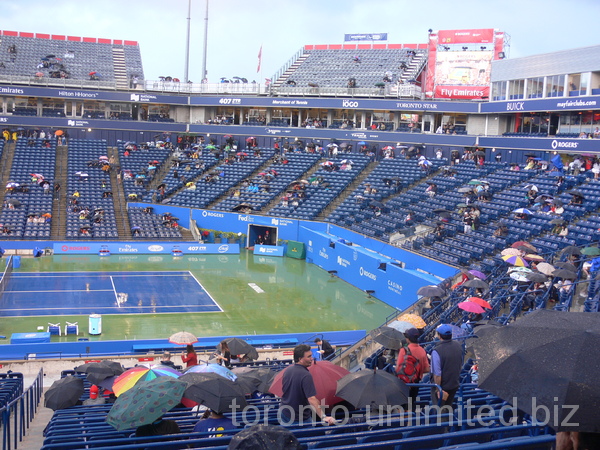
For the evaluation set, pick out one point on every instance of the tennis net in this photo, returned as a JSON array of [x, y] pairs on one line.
[[6, 275]]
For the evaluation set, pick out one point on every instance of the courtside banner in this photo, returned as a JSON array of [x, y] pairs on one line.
[[135, 248]]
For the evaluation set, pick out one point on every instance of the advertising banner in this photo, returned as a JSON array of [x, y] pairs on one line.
[[143, 248], [270, 250], [478, 36], [366, 37], [463, 74]]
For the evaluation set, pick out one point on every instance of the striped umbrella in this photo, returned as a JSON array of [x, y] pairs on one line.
[[515, 260], [131, 377], [532, 257], [215, 368]]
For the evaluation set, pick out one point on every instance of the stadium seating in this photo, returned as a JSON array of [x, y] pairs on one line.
[[76, 57], [333, 68]]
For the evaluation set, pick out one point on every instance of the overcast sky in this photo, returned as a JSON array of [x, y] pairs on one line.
[[238, 28]]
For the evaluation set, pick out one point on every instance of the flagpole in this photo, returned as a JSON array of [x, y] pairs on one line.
[[205, 44], [261, 69], [187, 44]]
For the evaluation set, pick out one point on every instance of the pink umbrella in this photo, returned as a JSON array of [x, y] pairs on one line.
[[471, 307]]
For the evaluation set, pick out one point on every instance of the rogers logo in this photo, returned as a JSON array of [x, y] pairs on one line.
[[66, 248]]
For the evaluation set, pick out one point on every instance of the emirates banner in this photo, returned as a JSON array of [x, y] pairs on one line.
[[462, 92]]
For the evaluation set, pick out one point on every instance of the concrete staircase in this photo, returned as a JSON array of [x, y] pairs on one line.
[[120, 68], [59, 206], [119, 199], [6, 162], [346, 192], [290, 70]]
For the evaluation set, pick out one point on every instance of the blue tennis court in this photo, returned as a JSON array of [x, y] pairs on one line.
[[81, 293]]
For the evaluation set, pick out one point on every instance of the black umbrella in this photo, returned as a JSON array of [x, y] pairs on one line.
[[445, 215], [264, 437], [254, 379], [238, 346], [376, 204], [571, 250], [372, 388], [476, 283], [242, 206], [542, 198], [564, 273], [388, 337], [536, 277], [431, 291], [13, 201], [212, 390], [547, 358], [577, 194], [64, 393], [566, 265], [99, 371], [441, 210], [479, 153]]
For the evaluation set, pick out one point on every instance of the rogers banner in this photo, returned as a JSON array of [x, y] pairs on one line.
[[480, 36], [462, 92]]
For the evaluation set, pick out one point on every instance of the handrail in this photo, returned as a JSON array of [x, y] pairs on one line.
[[18, 414]]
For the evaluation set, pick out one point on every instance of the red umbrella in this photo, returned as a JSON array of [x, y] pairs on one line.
[[325, 376], [480, 302], [250, 139], [471, 307], [524, 244]]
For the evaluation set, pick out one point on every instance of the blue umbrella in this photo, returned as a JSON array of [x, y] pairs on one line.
[[556, 174], [522, 211], [215, 368], [362, 143]]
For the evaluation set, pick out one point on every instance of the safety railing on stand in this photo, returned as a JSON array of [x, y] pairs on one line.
[[18, 414]]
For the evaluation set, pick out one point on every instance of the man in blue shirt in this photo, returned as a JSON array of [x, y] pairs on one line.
[[299, 393], [446, 363]]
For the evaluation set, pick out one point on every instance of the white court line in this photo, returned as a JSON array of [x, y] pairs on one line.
[[115, 291], [205, 290], [110, 307], [59, 290]]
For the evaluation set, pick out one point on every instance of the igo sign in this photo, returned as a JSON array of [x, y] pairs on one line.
[[349, 104]]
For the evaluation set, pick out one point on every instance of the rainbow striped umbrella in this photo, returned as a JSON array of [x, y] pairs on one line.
[[131, 377], [515, 260]]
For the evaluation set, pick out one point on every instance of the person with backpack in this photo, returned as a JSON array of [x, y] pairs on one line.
[[412, 364]]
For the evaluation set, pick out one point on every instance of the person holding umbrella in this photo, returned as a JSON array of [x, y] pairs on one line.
[[189, 357], [225, 357], [446, 364], [413, 348], [299, 392]]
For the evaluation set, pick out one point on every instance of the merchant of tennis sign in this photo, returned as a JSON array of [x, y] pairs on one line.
[[366, 37]]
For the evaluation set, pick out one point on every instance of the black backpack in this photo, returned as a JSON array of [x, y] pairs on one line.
[[408, 367]]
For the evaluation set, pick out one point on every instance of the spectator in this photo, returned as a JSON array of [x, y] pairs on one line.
[[299, 390], [412, 335], [212, 421], [166, 360], [446, 363], [189, 357], [325, 348], [158, 428], [225, 357]]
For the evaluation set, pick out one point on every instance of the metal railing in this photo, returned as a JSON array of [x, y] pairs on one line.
[[18, 414]]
